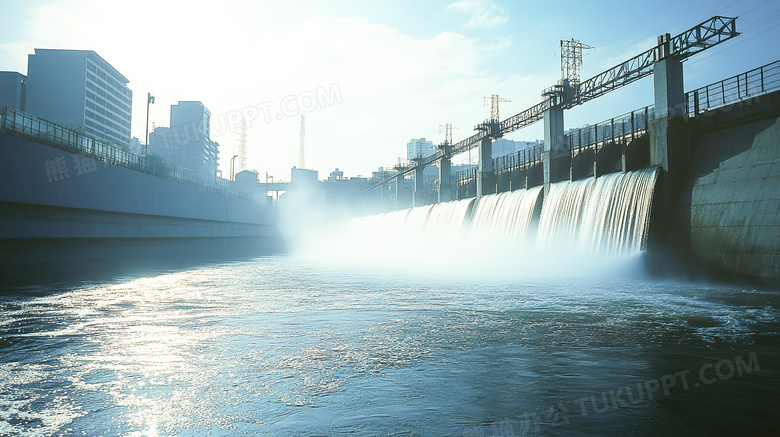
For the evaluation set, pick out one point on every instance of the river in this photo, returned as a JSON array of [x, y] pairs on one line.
[[305, 345]]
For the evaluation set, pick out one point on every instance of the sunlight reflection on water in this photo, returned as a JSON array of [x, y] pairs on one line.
[[285, 345]]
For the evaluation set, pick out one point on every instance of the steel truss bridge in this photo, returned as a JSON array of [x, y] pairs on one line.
[[688, 43]]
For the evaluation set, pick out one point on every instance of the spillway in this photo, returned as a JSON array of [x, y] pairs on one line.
[[609, 215]]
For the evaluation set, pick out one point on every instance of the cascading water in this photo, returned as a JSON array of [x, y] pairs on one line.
[[393, 221], [507, 216], [608, 215], [405, 222], [561, 213], [416, 219], [617, 214], [448, 219]]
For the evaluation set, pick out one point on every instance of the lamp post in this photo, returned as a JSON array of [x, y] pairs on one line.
[[149, 101], [232, 168], [267, 176]]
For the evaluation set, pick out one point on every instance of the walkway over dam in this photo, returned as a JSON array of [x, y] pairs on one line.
[[717, 196]]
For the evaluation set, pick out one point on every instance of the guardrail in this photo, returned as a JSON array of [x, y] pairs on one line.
[[21, 124], [743, 86]]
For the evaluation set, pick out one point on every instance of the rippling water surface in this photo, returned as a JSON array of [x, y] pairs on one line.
[[291, 346]]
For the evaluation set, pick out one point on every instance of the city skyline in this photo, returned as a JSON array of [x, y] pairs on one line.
[[368, 77]]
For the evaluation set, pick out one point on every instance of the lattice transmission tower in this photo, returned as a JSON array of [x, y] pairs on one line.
[[446, 129], [571, 59], [493, 102]]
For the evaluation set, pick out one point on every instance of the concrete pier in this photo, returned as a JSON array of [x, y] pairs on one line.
[[669, 145], [486, 183], [400, 203], [445, 178], [553, 143], [418, 198]]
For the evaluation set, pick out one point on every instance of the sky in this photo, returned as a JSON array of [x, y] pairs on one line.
[[370, 75]]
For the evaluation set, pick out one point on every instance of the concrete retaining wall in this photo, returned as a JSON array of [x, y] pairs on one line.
[[107, 201]]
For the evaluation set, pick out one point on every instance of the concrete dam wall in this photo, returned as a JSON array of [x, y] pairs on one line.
[[728, 219]]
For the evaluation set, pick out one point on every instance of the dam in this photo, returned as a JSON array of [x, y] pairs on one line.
[[699, 218], [537, 295]]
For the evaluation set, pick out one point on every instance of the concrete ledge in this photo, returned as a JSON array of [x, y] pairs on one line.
[[35, 261]]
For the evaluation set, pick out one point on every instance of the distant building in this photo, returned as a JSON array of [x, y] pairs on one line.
[[78, 88], [419, 147], [336, 175], [303, 176], [344, 191], [247, 177], [187, 143], [13, 89], [504, 147], [136, 147], [381, 174]]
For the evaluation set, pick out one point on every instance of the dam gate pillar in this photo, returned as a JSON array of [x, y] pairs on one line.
[[668, 134], [486, 183], [445, 177], [553, 145], [399, 192], [418, 198]]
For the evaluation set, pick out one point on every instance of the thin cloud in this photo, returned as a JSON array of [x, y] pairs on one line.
[[484, 13]]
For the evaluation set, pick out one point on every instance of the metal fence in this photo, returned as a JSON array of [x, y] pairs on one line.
[[743, 86], [21, 124]]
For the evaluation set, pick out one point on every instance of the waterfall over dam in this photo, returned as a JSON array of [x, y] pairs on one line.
[[609, 215]]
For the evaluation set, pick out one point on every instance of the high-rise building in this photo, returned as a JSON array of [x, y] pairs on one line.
[[187, 143], [419, 147], [78, 88], [13, 87]]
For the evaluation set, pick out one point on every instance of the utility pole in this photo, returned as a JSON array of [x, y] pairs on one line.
[[301, 160]]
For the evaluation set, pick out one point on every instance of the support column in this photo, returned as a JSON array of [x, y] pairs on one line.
[[418, 199], [485, 178], [668, 137], [553, 144], [399, 189], [445, 179]]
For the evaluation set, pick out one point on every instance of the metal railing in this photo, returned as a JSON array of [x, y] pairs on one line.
[[622, 128], [466, 176], [743, 86], [520, 160], [23, 125]]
